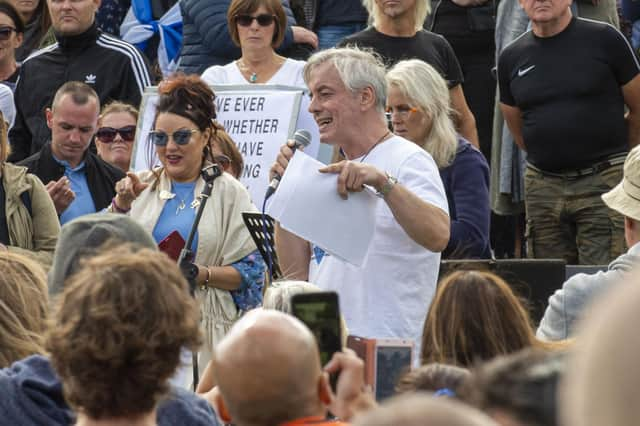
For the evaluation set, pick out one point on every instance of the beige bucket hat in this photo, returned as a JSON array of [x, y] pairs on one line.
[[625, 197]]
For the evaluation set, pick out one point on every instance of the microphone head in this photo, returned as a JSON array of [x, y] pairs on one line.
[[302, 138]]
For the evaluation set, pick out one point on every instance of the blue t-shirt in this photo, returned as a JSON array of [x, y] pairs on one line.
[[83, 203], [178, 214]]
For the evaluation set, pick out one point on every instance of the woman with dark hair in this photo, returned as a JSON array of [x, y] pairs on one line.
[[257, 27], [474, 316], [226, 153], [164, 201], [11, 38], [37, 24]]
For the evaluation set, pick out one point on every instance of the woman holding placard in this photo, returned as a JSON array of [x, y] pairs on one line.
[[257, 28], [165, 201]]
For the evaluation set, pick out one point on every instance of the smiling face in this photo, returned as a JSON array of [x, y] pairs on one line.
[[117, 152], [72, 127], [9, 46], [412, 125], [335, 108], [182, 162], [256, 36], [72, 17]]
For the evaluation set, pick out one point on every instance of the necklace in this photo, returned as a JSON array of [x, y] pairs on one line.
[[253, 77], [379, 141]]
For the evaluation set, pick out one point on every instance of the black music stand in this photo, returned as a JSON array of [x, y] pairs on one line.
[[255, 225]]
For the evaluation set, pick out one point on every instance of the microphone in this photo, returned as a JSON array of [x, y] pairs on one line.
[[302, 138]]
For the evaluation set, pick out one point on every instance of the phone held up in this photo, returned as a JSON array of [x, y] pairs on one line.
[[321, 313]]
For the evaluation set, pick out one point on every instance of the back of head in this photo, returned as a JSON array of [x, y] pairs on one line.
[[423, 410], [81, 237], [434, 377], [357, 68], [521, 386], [602, 378], [122, 322], [268, 370], [474, 316], [23, 307], [420, 12]]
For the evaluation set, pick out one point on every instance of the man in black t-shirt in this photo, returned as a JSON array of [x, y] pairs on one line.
[[397, 34], [563, 89]]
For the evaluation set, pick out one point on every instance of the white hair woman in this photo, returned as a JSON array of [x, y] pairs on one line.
[[418, 105]]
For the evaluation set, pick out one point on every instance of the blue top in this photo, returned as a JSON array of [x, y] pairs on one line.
[[178, 214], [83, 203], [466, 182]]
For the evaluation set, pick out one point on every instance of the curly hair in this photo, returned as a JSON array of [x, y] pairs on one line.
[[474, 316], [23, 307], [433, 377], [117, 335]]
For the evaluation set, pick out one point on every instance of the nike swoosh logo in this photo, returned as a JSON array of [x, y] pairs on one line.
[[526, 70]]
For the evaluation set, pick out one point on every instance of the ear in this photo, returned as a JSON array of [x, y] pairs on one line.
[[19, 39], [49, 115], [324, 389], [367, 98], [221, 408]]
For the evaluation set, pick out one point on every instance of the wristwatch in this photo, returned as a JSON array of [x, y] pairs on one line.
[[388, 185]]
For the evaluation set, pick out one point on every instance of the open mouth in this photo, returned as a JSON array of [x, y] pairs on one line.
[[323, 122], [173, 159]]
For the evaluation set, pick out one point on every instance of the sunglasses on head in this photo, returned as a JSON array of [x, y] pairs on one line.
[[5, 32], [264, 20], [180, 137], [108, 134]]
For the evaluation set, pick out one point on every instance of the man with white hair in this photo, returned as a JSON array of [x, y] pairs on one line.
[[388, 296]]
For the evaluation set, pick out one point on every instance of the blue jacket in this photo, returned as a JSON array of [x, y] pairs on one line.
[[205, 37], [466, 182], [32, 396]]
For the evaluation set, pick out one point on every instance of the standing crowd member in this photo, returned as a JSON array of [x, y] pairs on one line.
[[389, 294], [573, 128], [37, 26], [28, 221], [78, 181], [570, 303], [116, 133], [397, 34], [11, 38], [418, 104], [257, 28], [206, 33], [116, 338], [115, 69], [333, 20], [164, 201]]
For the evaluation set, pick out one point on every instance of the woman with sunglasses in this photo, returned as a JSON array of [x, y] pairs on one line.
[[257, 27], [11, 37], [165, 201], [418, 108], [115, 134]]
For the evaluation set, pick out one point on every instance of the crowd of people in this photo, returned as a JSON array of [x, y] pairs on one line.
[[115, 308]]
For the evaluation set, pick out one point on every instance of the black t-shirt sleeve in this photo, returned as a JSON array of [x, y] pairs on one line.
[[453, 71], [623, 60], [504, 79]]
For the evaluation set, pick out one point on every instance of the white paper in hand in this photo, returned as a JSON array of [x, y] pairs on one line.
[[307, 204]]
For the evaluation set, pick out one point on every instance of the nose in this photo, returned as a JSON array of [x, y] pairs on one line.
[[254, 24], [313, 105], [75, 135]]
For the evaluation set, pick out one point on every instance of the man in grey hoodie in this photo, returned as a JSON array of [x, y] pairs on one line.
[[570, 303]]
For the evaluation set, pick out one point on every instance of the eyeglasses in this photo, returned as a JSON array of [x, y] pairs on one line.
[[401, 111], [180, 137], [264, 20], [108, 134], [5, 33], [223, 160]]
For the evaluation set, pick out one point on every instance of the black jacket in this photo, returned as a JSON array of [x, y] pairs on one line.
[[101, 176], [115, 69]]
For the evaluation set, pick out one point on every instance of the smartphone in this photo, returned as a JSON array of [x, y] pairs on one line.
[[172, 245], [321, 313]]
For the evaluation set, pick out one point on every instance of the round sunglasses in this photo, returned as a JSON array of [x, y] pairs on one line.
[[180, 137], [5, 32], [264, 20], [108, 134]]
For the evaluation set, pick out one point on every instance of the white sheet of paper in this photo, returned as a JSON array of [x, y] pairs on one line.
[[307, 204]]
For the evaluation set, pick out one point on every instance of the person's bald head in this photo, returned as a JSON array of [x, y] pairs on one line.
[[268, 370]]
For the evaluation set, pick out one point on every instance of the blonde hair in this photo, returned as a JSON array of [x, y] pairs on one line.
[[421, 11], [5, 148], [23, 307], [117, 106], [423, 85]]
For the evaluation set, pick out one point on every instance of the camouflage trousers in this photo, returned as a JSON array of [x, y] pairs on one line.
[[567, 219]]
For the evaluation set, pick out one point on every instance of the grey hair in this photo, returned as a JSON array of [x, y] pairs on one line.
[[420, 13], [423, 85], [357, 68]]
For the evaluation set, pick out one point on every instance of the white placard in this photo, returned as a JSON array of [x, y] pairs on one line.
[[258, 118]]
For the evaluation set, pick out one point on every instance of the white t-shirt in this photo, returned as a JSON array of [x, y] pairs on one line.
[[290, 74], [389, 295]]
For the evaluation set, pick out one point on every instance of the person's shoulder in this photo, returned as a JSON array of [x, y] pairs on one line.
[[468, 153], [36, 57], [431, 37], [518, 44], [105, 168], [363, 37], [120, 48], [31, 161], [185, 408], [217, 74]]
